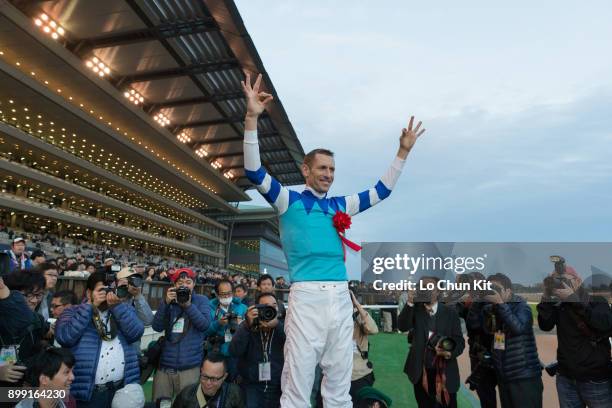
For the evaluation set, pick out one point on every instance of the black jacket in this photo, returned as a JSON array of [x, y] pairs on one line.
[[446, 324], [582, 355], [246, 346], [229, 393], [519, 360]]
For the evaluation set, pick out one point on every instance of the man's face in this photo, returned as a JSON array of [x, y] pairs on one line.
[[320, 174], [60, 381], [18, 248], [505, 294], [38, 260], [266, 286], [34, 298], [57, 307], [212, 376], [51, 278], [240, 293], [225, 291], [108, 263], [91, 268], [187, 282], [434, 292]]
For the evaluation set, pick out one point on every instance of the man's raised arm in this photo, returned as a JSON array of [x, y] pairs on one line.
[[359, 202], [268, 186]]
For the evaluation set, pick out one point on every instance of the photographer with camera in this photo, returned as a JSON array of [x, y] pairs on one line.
[[482, 377], [508, 318], [99, 333], [226, 313], [584, 324], [265, 284], [184, 317], [258, 345], [436, 343], [129, 290], [363, 326]]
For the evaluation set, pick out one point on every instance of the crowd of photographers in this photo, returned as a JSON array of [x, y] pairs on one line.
[[502, 345], [228, 351]]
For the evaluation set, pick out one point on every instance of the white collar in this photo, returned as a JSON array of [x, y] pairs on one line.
[[434, 309], [315, 193]]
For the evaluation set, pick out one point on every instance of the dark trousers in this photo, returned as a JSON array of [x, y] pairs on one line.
[[522, 393], [580, 394], [358, 384], [262, 395], [428, 399], [487, 381]]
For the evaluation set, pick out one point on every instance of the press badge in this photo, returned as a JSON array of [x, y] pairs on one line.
[[228, 336], [179, 325], [500, 341], [265, 372], [8, 355]]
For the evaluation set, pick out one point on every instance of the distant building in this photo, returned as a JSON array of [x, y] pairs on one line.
[[255, 246]]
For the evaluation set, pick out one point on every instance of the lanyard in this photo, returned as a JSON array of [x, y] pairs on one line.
[[266, 345]]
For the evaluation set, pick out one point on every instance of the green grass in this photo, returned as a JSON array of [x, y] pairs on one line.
[[388, 353], [534, 311]]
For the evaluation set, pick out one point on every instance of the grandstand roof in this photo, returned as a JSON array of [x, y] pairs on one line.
[[183, 57]]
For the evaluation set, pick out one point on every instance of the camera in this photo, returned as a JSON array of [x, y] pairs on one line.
[[482, 369], [266, 313], [109, 289], [122, 291], [559, 262], [182, 294], [135, 281], [445, 343]]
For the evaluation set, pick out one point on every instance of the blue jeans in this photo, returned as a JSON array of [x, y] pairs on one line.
[[260, 395], [579, 394]]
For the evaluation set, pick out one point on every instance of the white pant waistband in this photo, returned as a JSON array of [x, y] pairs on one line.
[[321, 285]]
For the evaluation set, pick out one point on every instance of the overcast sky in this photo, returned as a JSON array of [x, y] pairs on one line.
[[516, 99]]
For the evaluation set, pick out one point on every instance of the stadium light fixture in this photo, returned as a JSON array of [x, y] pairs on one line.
[[49, 26], [201, 152], [161, 119], [98, 67], [183, 137], [134, 96], [216, 164], [228, 174]]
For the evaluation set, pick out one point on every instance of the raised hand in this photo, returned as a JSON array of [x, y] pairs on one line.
[[257, 101], [409, 136]]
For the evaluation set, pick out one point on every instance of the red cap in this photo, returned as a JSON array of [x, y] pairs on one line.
[[179, 272]]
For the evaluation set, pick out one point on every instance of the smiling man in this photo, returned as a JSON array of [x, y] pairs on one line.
[[315, 255]]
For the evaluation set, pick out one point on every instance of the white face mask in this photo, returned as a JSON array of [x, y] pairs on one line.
[[225, 301]]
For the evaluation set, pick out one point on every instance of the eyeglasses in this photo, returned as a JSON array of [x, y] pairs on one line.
[[225, 294], [205, 377], [34, 295], [56, 306]]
